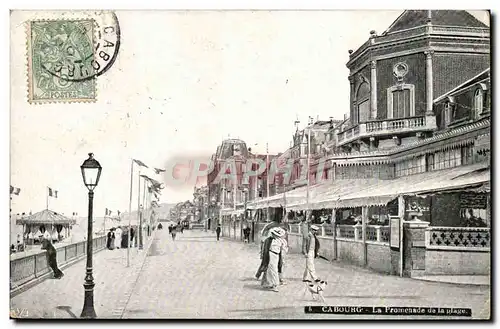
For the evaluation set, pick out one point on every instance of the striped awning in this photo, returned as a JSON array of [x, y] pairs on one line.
[[299, 195], [382, 192], [46, 217]]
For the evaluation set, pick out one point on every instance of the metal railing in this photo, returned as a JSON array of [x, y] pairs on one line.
[[32, 266], [473, 238]]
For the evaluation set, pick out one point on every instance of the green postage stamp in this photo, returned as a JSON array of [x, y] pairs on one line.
[[61, 65]]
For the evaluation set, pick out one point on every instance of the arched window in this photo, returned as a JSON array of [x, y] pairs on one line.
[[362, 103], [478, 103]]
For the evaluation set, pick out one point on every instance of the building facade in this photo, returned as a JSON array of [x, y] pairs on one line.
[[415, 146]]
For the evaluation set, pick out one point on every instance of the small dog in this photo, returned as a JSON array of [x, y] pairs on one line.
[[315, 288]]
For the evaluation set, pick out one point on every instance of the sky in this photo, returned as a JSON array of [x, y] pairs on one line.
[[182, 82]]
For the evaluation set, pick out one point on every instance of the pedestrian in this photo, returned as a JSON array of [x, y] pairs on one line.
[[182, 228], [110, 240], [217, 231], [246, 233], [271, 279], [118, 237], [170, 229], [132, 238], [283, 253], [312, 248], [51, 255], [265, 243], [304, 229], [174, 232]]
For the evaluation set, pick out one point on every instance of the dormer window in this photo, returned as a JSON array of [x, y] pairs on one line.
[[449, 111], [478, 103]]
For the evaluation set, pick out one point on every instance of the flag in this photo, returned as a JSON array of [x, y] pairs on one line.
[[15, 190], [118, 212], [108, 212], [158, 171], [140, 163], [52, 193]]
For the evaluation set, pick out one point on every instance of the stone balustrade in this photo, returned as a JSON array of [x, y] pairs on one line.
[[387, 127]]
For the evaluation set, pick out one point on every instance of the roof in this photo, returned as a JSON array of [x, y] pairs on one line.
[[226, 149], [414, 18], [481, 76], [316, 191], [46, 217], [383, 191]]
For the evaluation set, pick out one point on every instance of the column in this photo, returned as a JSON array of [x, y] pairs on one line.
[[334, 232], [351, 106], [401, 207], [373, 90], [429, 82], [364, 220]]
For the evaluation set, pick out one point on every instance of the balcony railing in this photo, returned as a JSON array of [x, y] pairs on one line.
[[387, 127]]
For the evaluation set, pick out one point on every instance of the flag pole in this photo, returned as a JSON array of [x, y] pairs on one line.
[[47, 194], [138, 207], [308, 164], [130, 211], [104, 223], [267, 182], [141, 245]]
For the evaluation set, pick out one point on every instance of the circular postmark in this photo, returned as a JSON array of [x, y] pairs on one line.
[[80, 50]]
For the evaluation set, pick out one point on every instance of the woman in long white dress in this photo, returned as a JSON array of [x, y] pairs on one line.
[[118, 237], [271, 277]]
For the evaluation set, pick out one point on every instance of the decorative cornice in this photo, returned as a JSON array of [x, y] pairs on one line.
[[421, 32]]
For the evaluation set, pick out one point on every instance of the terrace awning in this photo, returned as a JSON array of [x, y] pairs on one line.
[[381, 192]]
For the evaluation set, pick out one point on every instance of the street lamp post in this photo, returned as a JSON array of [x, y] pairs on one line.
[[91, 172]]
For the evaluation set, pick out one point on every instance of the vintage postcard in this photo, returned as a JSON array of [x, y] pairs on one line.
[[269, 165]]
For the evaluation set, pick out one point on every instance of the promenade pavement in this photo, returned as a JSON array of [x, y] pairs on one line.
[[199, 277], [63, 298]]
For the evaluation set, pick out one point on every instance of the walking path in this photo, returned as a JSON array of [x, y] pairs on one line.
[[198, 277], [63, 298]]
